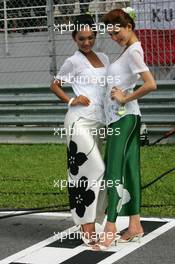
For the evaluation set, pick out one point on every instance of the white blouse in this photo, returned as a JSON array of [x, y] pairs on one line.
[[88, 81], [124, 73]]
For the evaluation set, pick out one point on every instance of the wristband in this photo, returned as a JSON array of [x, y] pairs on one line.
[[70, 101]]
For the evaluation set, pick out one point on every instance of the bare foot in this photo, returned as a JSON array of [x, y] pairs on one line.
[[135, 227], [133, 230], [105, 242], [88, 230], [107, 237]]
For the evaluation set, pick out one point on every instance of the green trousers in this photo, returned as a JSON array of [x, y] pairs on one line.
[[122, 175]]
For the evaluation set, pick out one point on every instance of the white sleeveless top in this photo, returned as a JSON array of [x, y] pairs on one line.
[[88, 81]]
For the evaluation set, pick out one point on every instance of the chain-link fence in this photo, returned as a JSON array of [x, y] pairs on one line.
[[23, 42], [32, 48], [23, 16]]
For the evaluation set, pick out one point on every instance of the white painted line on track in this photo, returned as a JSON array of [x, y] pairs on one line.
[[37, 246], [68, 214], [55, 214], [127, 248], [121, 250]]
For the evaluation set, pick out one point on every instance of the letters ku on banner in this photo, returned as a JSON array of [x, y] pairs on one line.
[[155, 28], [154, 14]]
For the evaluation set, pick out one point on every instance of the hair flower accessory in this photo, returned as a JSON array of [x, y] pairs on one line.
[[130, 11]]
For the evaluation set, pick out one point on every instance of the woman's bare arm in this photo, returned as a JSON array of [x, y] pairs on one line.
[[58, 91], [148, 86]]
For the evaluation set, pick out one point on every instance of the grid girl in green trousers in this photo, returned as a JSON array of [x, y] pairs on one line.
[[122, 157]]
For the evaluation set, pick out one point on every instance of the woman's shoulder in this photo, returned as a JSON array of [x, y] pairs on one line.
[[135, 47], [73, 59]]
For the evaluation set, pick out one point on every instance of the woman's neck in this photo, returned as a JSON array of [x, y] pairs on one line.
[[132, 39], [86, 53]]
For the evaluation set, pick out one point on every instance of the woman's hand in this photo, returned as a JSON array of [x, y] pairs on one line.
[[82, 100], [118, 95], [148, 86]]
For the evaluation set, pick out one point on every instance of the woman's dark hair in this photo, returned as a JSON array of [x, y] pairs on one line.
[[82, 21], [119, 17]]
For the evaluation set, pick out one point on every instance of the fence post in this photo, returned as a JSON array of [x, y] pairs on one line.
[[51, 35], [5, 28], [96, 21]]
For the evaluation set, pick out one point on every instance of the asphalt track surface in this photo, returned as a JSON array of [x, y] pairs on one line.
[[35, 239]]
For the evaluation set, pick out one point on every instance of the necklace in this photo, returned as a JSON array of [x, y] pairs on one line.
[[120, 54]]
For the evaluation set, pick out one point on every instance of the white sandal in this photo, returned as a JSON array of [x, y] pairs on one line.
[[133, 238], [87, 241], [101, 247]]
